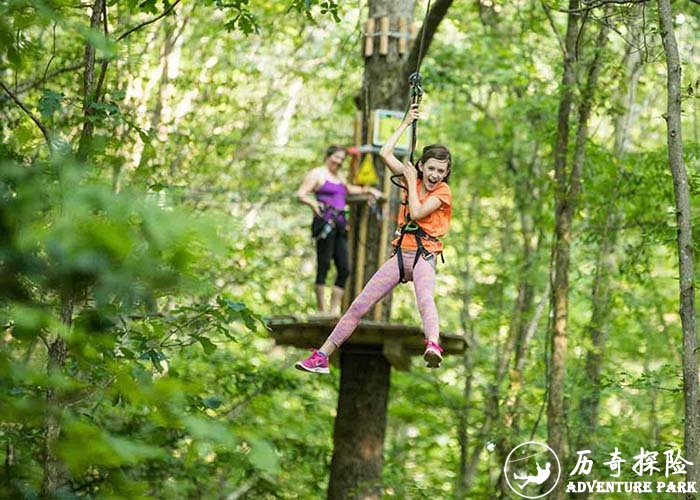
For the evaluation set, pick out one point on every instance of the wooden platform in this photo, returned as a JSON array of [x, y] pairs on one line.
[[399, 342]]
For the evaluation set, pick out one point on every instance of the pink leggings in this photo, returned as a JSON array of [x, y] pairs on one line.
[[383, 282]]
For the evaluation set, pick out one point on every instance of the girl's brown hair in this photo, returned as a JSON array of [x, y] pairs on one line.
[[438, 152]]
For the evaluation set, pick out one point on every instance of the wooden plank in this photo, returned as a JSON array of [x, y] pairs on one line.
[[312, 332], [395, 353], [384, 35], [347, 296], [403, 36], [369, 38], [361, 245], [383, 235]]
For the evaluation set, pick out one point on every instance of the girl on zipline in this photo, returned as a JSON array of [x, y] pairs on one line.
[[330, 189], [423, 217]]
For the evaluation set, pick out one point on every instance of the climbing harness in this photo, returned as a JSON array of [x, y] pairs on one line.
[[331, 218], [419, 234]]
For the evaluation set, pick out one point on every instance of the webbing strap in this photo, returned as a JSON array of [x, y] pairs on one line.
[[418, 233]]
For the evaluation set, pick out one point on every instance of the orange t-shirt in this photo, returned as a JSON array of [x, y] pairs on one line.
[[436, 224]]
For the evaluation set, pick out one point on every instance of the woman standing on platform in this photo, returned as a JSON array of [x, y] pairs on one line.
[[325, 190], [423, 218]]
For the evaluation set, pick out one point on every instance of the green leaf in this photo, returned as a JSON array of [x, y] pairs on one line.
[[208, 346], [149, 6], [50, 103], [263, 456], [212, 402]]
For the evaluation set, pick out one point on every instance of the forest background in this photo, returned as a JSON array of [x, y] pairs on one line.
[[150, 159]]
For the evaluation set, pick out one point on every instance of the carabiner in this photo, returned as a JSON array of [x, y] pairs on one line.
[[415, 88]]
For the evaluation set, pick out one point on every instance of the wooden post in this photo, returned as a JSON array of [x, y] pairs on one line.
[[360, 245], [403, 36], [369, 37], [383, 236], [384, 35], [357, 129]]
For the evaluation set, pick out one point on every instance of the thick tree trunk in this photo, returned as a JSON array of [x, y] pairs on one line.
[[562, 251], [691, 391], [356, 467], [360, 424]]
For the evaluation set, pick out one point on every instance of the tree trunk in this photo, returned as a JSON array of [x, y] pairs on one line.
[[681, 190], [356, 467], [98, 10], [54, 473], [562, 251], [360, 424], [523, 317], [382, 88], [590, 401], [600, 302], [466, 473]]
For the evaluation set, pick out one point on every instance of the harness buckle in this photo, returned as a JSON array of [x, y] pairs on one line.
[[410, 227]]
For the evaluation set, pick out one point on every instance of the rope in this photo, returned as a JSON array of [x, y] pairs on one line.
[[415, 95], [414, 83]]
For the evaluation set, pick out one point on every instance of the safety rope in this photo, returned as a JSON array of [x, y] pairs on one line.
[[415, 96], [415, 83]]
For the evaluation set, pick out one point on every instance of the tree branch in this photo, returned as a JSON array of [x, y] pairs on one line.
[[53, 53], [105, 63], [151, 21], [430, 25], [34, 118], [594, 4], [553, 25], [27, 85]]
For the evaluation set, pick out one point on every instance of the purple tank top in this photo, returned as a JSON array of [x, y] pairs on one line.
[[332, 196]]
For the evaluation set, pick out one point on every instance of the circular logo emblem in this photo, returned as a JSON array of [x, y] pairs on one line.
[[531, 467]]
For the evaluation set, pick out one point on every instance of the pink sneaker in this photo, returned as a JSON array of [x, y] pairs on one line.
[[316, 363], [432, 355]]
